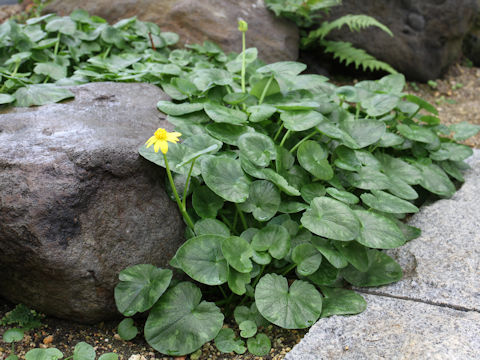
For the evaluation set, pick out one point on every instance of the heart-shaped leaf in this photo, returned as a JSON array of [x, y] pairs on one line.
[[127, 330], [331, 219], [227, 133], [354, 253], [260, 345], [226, 343], [248, 328], [452, 151], [382, 270], [257, 148], [226, 178], [260, 113], [417, 133], [301, 120], [211, 227], [237, 281], [434, 179], [13, 335], [140, 287], [311, 191], [51, 69], [170, 108], [44, 354], [364, 131], [237, 252], [343, 196], [341, 302], [83, 351], [222, 114], [382, 201], [202, 259], [313, 158], [307, 258], [464, 130], [41, 94], [368, 178], [179, 323], [263, 200], [243, 313], [378, 232], [380, 104], [326, 275], [297, 307], [64, 25], [281, 182], [326, 248], [274, 238], [6, 99], [206, 203], [108, 356]]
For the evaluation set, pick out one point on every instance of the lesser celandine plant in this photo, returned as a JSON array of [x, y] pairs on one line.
[[290, 186]]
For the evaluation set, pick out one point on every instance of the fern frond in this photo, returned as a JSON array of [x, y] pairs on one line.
[[354, 23], [345, 52]]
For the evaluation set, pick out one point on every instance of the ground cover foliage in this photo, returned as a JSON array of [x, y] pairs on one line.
[[290, 186]]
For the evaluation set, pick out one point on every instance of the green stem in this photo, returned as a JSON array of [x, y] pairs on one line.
[[17, 66], [57, 45], [187, 183], [288, 269], [265, 90], [257, 279], [278, 132], [285, 138], [242, 217], [13, 348], [226, 221], [46, 79], [243, 61], [107, 52], [223, 292], [177, 198], [303, 140]]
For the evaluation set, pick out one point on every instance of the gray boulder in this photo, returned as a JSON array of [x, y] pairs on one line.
[[77, 202], [195, 21], [427, 38]]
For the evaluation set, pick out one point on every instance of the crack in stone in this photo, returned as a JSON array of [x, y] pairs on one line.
[[454, 307]]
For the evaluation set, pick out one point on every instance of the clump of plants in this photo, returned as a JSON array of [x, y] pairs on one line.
[[290, 187], [309, 15]]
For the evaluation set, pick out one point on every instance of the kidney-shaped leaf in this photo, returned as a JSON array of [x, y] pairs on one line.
[[313, 158], [202, 259], [179, 323], [258, 148], [295, 308], [13, 335], [331, 219], [263, 200], [140, 287], [274, 238], [83, 351], [44, 354], [341, 302], [225, 177], [364, 131], [226, 342], [301, 120]]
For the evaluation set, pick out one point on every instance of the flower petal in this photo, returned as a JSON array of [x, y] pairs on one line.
[[151, 141], [173, 136], [163, 146], [156, 147]]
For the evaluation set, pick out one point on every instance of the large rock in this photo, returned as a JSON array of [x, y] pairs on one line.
[[195, 21], [393, 329], [77, 203], [428, 33]]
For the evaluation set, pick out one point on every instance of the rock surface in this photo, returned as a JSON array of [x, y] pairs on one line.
[[434, 312], [195, 21], [427, 38], [393, 329], [77, 202]]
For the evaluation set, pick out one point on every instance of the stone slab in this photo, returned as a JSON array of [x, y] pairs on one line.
[[393, 329], [442, 266]]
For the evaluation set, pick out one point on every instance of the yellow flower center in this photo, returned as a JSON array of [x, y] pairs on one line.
[[161, 134]]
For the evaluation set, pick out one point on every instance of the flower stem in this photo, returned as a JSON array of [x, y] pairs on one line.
[[177, 198], [243, 60], [187, 183], [57, 44], [242, 217], [288, 269], [265, 90], [278, 132]]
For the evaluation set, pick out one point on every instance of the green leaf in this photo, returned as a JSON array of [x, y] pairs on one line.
[[382, 270], [225, 177], [333, 256], [263, 200], [51, 69], [140, 287], [64, 25], [368, 178], [237, 252], [6, 99], [301, 120], [435, 180], [13, 335], [211, 227], [44, 354], [364, 131], [206, 203], [292, 207], [170, 108], [307, 258], [326, 275], [202, 259], [281, 182], [343, 196], [396, 168], [378, 231], [237, 281], [179, 323], [452, 151], [248, 328], [282, 68], [227, 133], [422, 103], [331, 219], [205, 79], [257, 148], [274, 238], [41, 94], [222, 114], [380, 104], [464, 130], [313, 158], [341, 302], [127, 330], [382, 201], [260, 113], [108, 356], [243, 313], [311, 191], [295, 308], [83, 351], [226, 343], [260, 345], [355, 253], [417, 133]]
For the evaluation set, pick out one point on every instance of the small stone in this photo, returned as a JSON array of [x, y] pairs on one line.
[[48, 340], [117, 337]]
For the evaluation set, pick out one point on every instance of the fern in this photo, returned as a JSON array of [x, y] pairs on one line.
[[302, 12], [354, 23], [345, 52]]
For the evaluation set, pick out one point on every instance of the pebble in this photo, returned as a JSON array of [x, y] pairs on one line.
[[48, 340]]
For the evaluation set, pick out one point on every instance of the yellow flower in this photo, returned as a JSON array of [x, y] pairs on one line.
[[160, 140]]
